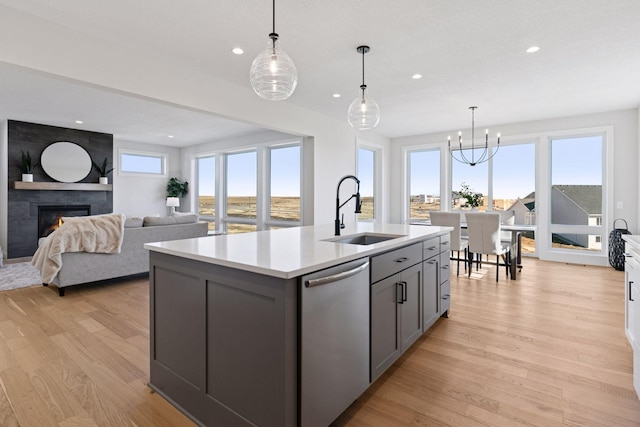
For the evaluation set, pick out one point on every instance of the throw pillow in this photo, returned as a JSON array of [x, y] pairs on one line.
[[133, 222]]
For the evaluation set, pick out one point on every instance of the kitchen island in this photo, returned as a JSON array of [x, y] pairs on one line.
[[232, 340]]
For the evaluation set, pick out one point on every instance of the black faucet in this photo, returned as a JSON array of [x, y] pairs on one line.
[[339, 225]]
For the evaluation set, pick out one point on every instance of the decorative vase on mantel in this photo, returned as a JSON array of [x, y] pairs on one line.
[[103, 180], [27, 177]]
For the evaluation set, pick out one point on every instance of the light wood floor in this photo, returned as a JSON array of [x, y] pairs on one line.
[[546, 350]]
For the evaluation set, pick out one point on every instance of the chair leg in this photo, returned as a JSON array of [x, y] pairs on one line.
[[470, 260], [497, 267]]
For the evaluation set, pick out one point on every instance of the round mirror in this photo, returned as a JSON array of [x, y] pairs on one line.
[[66, 162]]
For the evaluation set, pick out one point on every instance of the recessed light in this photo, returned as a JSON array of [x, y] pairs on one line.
[[533, 49], [416, 76], [170, 136], [237, 51], [79, 122], [336, 95]]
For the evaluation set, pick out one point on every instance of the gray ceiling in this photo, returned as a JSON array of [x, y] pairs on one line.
[[469, 53]]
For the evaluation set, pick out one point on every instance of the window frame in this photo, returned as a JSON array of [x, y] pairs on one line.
[[164, 157], [263, 186]]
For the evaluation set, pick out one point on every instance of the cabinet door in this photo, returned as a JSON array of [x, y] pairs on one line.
[[411, 310], [632, 288], [385, 318], [430, 311]]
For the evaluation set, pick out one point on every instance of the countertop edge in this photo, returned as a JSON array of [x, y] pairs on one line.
[[161, 247]]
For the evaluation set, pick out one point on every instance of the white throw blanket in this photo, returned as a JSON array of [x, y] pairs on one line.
[[99, 234]]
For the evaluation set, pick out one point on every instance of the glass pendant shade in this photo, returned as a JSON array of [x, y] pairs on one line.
[[273, 74], [364, 113]]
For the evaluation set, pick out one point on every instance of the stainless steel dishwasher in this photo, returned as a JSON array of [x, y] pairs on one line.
[[334, 341]]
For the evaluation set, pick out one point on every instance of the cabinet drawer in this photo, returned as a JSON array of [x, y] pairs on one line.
[[430, 248], [445, 243], [445, 272], [389, 263], [445, 297]]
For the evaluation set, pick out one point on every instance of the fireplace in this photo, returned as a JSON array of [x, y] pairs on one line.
[[50, 217]]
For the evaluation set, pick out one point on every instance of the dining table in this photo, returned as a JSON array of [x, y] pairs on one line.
[[516, 231]]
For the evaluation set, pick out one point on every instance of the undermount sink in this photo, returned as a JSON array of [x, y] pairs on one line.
[[364, 238]]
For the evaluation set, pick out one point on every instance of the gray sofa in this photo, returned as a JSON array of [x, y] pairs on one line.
[[84, 267]]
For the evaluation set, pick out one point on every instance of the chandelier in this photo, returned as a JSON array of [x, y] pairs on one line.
[[273, 74], [364, 113], [483, 150]]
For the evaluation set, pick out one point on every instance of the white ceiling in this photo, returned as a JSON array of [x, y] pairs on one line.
[[469, 53]]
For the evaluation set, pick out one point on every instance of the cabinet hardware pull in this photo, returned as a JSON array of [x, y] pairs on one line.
[[400, 300], [444, 243], [627, 255], [432, 248], [445, 296], [404, 292], [403, 259], [445, 267], [334, 278], [630, 283], [432, 262]]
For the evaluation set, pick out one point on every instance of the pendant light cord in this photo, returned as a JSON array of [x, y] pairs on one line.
[[363, 86], [274, 35]]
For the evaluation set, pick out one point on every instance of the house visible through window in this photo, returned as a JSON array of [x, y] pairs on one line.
[[424, 183]]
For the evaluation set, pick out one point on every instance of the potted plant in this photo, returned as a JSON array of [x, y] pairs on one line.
[[27, 167], [177, 188], [102, 170], [473, 198]]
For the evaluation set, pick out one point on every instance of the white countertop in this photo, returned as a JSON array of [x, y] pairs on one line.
[[292, 252]]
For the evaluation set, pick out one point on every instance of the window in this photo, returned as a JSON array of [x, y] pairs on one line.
[[576, 194], [207, 189], [241, 200], [142, 163], [366, 173], [284, 197], [514, 185], [475, 177], [424, 183], [261, 188]]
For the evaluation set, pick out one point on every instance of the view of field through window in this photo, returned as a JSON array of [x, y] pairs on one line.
[[241, 185]]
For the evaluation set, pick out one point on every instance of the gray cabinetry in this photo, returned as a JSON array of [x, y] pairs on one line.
[[223, 342], [396, 305], [430, 285], [444, 273]]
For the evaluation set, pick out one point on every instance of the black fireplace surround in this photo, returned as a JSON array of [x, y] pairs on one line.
[[23, 223]]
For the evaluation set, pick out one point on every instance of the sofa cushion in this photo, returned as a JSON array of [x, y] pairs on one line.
[[151, 221], [132, 222]]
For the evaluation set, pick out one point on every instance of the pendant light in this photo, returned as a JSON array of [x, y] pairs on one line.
[[473, 158], [273, 74], [364, 113]]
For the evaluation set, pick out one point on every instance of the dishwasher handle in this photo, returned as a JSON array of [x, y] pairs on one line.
[[335, 277]]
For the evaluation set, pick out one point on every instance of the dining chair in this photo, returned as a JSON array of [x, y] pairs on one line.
[[452, 219], [484, 238]]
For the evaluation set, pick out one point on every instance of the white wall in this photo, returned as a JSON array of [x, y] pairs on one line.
[[142, 195], [104, 64], [625, 156]]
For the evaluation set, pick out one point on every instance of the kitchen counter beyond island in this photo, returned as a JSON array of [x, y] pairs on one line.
[[292, 252], [238, 339]]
